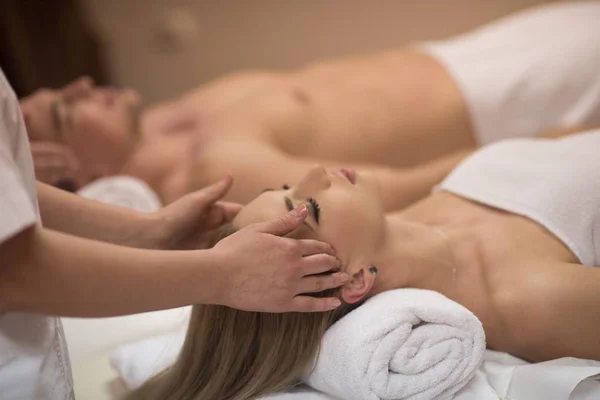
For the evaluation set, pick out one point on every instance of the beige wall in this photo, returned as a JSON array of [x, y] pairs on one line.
[[163, 47]]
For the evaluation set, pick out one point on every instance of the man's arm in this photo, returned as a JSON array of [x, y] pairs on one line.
[[244, 159], [402, 187], [78, 216], [405, 186], [257, 166]]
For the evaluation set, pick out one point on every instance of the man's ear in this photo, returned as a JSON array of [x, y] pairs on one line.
[[358, 287]]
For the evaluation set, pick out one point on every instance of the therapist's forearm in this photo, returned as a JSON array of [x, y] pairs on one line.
[[47, 272], [75, 215]]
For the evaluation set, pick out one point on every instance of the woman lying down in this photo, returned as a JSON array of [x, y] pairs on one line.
[[511, 234]]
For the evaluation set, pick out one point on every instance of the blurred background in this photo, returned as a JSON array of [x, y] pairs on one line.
[[165, 47]]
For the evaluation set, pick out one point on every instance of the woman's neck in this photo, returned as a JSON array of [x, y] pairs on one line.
[[416, 255]]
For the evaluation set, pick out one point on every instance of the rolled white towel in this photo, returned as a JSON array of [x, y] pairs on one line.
[[402, 344]]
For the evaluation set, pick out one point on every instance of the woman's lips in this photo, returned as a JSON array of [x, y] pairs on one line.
[[350, 174]]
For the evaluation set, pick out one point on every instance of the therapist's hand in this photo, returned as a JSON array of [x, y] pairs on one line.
[[266, 272], [186, 224], [53, 162]]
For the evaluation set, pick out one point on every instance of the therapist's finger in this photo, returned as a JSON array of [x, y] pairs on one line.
[[309, 247], [316, 284], [55, 162], [283, 225], [216, 191], [52, 174], [313, 304], [42, 150], [46, 147], [318, 264], [50, 161]]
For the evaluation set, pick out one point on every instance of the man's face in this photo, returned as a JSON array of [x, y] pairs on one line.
[[38, 108], [98, 124]]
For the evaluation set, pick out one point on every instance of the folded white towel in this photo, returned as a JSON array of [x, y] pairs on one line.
[[402, 344], [124, 191]]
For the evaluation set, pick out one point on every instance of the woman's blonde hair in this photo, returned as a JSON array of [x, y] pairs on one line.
[[238, 355]]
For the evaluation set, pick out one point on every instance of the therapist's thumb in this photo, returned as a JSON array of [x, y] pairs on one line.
[[216, 191], [286, 223]]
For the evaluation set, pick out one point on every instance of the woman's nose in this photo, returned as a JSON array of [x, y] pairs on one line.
[[316, 178]]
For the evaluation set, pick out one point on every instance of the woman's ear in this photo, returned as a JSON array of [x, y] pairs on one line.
[[358, 287]]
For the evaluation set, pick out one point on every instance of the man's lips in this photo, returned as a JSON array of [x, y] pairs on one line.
[[350, 174]]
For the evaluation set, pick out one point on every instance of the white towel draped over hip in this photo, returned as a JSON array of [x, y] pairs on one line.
[[402, 344]]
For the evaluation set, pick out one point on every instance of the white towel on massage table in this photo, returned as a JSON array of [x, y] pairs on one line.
[[406, 343], [124, 191], [401, 344]]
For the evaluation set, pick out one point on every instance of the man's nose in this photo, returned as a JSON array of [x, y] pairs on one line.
[[79, 89]]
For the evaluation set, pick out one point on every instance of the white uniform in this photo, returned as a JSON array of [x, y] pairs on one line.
[[530, 72], [34, 362]]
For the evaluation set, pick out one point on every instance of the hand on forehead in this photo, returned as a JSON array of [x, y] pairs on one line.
[[268, 206]]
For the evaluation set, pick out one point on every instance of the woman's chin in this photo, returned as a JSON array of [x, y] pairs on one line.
[[371, 182]]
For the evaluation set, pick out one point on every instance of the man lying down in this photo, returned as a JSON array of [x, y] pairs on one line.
[[408, 115], [510, 235]]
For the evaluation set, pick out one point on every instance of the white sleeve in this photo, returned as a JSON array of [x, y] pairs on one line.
[[18, 203], [16, 209]]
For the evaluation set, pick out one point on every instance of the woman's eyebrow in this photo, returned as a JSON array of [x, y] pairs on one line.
[[290, 206]]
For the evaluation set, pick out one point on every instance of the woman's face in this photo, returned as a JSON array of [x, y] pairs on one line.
[[345, 211], [98, 124]]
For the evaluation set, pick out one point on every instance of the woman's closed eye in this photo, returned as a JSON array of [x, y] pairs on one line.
[[312, 210], [315, 209]]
